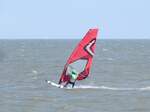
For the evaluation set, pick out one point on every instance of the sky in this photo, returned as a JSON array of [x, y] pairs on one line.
[[70, 19]]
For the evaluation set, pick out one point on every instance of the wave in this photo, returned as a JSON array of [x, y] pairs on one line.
[[110, 88]]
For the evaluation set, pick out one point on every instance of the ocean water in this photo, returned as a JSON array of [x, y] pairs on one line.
[[119, 79]]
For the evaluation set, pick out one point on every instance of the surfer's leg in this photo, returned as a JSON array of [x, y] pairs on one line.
[[73, 83], [69, 82]]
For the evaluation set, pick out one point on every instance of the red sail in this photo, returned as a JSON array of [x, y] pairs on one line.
[[81, 57]]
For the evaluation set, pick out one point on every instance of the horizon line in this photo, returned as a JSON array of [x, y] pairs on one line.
[[73, 38]]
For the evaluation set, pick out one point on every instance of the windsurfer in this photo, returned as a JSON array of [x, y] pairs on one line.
[[72, 78], [79, 62]]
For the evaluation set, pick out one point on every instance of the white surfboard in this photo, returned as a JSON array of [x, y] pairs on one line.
[[54, 84]]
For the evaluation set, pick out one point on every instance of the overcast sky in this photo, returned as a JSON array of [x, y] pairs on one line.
[[72, 18]]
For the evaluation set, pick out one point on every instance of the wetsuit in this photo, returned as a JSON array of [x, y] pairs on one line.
[[73, 77]]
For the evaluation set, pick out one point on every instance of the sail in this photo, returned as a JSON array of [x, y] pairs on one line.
[[81, 58]]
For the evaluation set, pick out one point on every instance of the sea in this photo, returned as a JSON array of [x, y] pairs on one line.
[[119, 79]]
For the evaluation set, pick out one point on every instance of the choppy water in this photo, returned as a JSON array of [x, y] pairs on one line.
[[119, 80]]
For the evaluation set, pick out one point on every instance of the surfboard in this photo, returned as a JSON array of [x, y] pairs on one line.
[[54, 84]]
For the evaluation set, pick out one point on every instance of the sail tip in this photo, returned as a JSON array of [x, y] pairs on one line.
[[94, 29]]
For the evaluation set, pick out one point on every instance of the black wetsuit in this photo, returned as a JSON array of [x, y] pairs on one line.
[[69, 82]]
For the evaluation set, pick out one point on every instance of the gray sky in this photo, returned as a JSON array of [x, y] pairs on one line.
[[72, 18]]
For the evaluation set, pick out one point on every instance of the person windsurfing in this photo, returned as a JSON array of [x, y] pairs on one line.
[[79, 62], [72, 78]]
